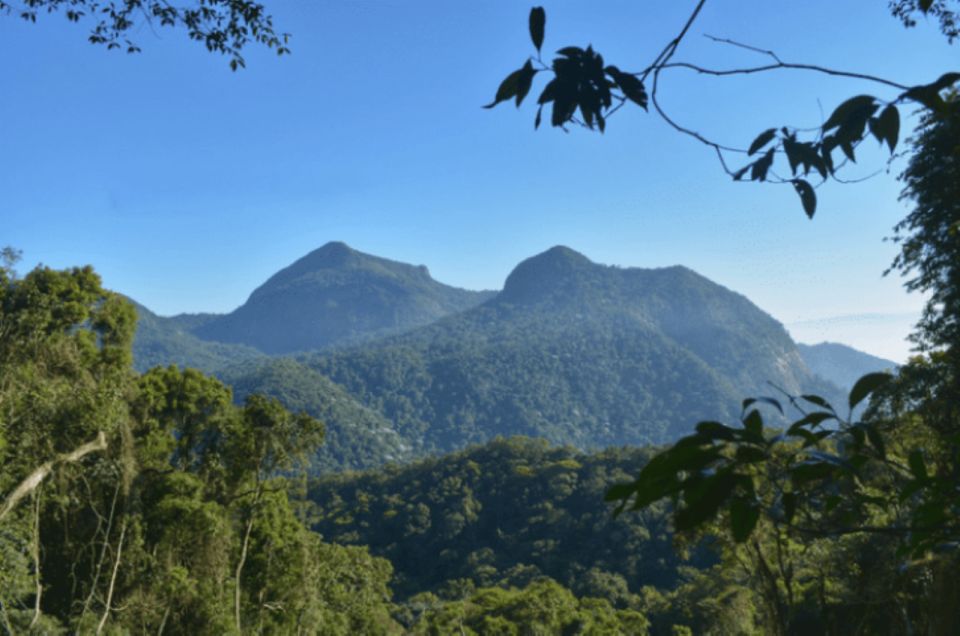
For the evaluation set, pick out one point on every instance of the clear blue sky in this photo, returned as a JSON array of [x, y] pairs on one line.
[[187, 185]]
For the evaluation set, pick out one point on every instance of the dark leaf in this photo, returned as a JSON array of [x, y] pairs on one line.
[[525, 81], [811, 471], [750, 455], [703, 499], [789, 505], [753, 424], [876, 440], [792, 149], [633, 89], [549, 92], [762, 166], [619, 491], [772, 402], [508, 88], [571, 51], [807, 196], [889, 125], [847, 149], [538, 19], [762, 140], [813, 419], [917, 465], [929, 94], [867, 385], [853, 109], [716, 430], [743, 518], [816, 399]]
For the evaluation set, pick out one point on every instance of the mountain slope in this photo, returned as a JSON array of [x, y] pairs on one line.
[[357, 437], [841, 364], [578, 353], [161, 341], [335, 295]]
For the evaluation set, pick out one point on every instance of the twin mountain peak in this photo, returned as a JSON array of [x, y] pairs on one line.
[[400, 365]]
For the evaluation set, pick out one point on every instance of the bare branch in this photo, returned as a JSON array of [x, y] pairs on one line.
[[36, 478]]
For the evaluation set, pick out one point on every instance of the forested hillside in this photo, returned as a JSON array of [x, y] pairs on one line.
[[577, 353], [161, 341], [356, 436], [504, 513]]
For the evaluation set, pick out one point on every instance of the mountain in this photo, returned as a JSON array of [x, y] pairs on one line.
[[577, 353], [840, 364], [337, 295], [163, 341], [356, 437]]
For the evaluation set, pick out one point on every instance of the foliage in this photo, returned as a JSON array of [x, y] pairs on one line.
[[887, 479], [543, 607], [357, 437], [182, 519], [581, 82], [909, 10], [222, 26], [929, 236], [502, 514]]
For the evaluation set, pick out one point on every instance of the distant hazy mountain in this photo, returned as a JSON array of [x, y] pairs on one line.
[[163, 341], [841, 364], [577, 353], [335, 295]]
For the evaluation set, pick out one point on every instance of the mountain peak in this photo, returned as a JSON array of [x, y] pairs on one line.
[[557, 269], [336, 294], [332, 254]]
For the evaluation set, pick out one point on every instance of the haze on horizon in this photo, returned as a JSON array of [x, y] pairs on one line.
[[187, 185]]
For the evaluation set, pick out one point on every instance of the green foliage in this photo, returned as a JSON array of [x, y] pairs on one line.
[[357, 437], [929, 236], [163, 341], [505, 513], [543, 607], [179, 516]]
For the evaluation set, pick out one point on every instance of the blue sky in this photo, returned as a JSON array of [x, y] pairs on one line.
[[187, 185]]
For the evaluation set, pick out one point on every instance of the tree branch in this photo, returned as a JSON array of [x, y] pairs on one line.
[[35, 478]]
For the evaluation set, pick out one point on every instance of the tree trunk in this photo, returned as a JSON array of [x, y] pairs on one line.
[[102, 559], [36, 559], [113, 578], [243, 559]]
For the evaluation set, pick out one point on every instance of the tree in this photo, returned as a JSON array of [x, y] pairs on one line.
[[890, 473], [582, 82], [222, 26]]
